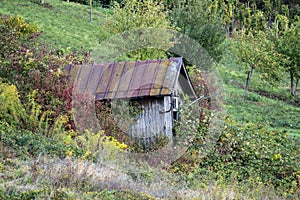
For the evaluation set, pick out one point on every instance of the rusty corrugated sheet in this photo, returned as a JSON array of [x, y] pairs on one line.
[[128, 79]]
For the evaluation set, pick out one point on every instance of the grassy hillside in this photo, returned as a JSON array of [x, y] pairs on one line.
[[43, 160], [264, 104], [259, 109], [65, 24]]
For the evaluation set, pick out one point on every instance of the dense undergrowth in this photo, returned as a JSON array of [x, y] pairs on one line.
[[44, 156]]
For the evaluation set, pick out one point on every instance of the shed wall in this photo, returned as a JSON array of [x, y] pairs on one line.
[[168, 116], [153, 121]]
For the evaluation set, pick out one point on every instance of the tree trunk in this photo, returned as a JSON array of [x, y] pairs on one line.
[[292, 82], [91, 15], [232, 25], [91, 10], [297, 81], [248, 81]]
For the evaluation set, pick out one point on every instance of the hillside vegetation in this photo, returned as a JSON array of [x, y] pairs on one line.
[[267, 104], [44, 155], [64, 24]]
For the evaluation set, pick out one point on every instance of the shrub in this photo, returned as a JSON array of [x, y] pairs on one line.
[[133, 14], [24, 143], [103, 3], [11, 109], [32, 66], [30, 116], [14, 32], [99, 146], [17, 36], [248, 153], [202, 21]]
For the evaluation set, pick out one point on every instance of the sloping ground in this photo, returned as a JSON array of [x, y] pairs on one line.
[[65, 24], [259, 109], [264, 104]]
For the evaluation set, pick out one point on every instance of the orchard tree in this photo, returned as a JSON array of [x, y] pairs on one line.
[[287, 40], [134, 14], [257, 52], [202, 21]]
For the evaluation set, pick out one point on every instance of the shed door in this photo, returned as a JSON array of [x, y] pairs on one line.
[[152, 121]]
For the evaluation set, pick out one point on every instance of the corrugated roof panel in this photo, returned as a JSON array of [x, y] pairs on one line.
[[115, 80], [170, 78], [137, 78], [125, 79], [95, 77], [148, 78], [104, 81], [84, 75], [74, 72], [161, 74], [129, 79]]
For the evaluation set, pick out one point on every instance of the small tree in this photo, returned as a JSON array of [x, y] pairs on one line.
[[258, 52], [134, 14], [287, 40], [202, 21]]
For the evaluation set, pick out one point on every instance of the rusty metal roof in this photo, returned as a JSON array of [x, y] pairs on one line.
[[128, 79]]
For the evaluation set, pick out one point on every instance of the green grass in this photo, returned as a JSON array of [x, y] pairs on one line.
[[258, 109], [64, 24], [67, 25], [264, 103]]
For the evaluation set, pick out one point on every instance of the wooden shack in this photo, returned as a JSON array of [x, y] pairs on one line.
[[154, 84]]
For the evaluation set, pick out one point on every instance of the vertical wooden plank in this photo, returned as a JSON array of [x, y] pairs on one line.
[[133, 130], [152, 122], [144, 116], [147, 120], [161, 116], [158, 116], [165, 108], [168, 116], [158, 120], [139, 125], [143, 130]]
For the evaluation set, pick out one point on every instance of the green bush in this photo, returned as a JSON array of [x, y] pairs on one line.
[[202, 21], [11, 193], [11, 109], [24, 143], [34, 69], [103, 3], [249, 154], [133, 14], [16, 36]]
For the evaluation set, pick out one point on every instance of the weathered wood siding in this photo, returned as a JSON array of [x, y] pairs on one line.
[[153, 121], [168, 118]]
